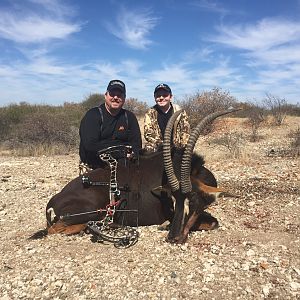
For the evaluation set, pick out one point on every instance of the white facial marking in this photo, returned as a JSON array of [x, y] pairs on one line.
[[51, 214], [186, 210]]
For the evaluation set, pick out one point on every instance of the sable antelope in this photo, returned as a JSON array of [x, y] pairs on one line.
[[192, 194], [147, 190]]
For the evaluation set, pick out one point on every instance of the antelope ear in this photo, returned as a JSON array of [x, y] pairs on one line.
[[206, 188]]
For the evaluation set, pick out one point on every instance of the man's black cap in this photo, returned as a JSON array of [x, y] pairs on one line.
[[163, 86], [117, 84]]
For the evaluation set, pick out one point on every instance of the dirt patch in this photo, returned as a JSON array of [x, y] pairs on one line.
[[254, 254]]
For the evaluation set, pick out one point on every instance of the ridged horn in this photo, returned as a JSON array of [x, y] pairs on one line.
[[168, 164], [186, 185]]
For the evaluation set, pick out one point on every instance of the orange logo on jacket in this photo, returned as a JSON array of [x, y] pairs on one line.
[[121, 128]]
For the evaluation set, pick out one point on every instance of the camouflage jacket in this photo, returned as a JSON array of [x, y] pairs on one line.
[[153, 136]]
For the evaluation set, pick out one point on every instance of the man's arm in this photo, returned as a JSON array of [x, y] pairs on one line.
[[151, 130], [135, 138], [182, 131], [90, 130]]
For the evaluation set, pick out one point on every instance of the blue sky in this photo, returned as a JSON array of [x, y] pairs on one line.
[[55, 51]]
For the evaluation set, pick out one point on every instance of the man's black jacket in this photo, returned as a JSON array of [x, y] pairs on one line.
[[99, 130]]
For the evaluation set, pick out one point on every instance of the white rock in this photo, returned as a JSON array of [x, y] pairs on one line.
[[250, 252], [266, 289], [295, 286]]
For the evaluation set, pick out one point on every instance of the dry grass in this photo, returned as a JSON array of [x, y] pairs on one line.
[[35, 150], [271, 137]]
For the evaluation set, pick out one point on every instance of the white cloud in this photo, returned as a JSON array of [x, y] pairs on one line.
[[275, 76], [35, 52], [198, 55], [133, 67], [272, 60], [46, 79], [264, 35], [174, 73], [56, 7], [133, 28], [187, 79], [211, 6], [283, 55], [44, 21], [8, 72], [34, 29], [46, 66], [268, 55]]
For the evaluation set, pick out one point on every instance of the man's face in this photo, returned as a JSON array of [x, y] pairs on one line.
[[163, 98], [114, 99]]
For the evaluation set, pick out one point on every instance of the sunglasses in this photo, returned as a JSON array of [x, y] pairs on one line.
[[117, 93], [163, 94]]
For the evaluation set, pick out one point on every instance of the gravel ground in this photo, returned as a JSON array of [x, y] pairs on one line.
[[254, 254]]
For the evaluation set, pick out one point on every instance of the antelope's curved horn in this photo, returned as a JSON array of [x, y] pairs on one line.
[[186, 185], [168, 164]]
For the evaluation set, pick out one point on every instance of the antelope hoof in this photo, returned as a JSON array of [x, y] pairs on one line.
[[181, 239]]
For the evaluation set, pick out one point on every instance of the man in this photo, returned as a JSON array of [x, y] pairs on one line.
[[157, 117], [108, 125]]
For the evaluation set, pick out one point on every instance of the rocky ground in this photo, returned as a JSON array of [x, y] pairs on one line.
[[254, 254]]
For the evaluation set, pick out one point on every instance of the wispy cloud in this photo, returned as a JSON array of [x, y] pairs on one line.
[[133, 67], [56, 7], [49, 79], [283, 55], [263, 35], [196, 55], [37, 26], [8, 72], [265, 56], [34, 29], [133, 27], [274, 76], [270, 49], [186, 79], [211, 6]]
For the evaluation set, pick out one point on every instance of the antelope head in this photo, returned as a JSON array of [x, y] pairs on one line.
[[184, 190]]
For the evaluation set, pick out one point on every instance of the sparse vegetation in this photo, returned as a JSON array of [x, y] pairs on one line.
[[277, 107], [27, 129], [293, 109], [201, 104], [294, 135], [232, 141], [256, 117], [92, 100], [137, 107]]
